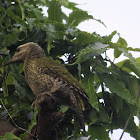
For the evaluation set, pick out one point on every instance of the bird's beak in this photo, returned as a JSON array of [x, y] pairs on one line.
[[9, 62], [13, 60], [3, 54]]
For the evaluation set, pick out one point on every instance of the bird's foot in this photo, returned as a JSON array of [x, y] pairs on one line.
[[45, 101], [39, 98]]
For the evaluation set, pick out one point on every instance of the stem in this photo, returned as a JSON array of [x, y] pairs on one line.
[[14, 121], [130, 116], [22, 12]]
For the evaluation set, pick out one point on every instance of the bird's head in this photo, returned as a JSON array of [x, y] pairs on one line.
[[28, 50]]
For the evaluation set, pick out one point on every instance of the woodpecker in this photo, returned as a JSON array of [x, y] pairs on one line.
[[45, 75]]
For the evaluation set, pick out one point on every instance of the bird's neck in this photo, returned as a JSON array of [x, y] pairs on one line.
[[30, 57]]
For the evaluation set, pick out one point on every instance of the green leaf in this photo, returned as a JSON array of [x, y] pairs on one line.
[[93, 116], [36, 13], [49, 47], [132, 64], [97, 117], [129, 55], [98, 132], [2, 14], [54, 11], [117, 103], [15, 17], [63, 108], [10, 79], [107, 39], [131, 67], [9, 136], [117, 53], [88, 84], [138, 60], [90, 51], [22, 12], [98, 20], [21, 90], [133, 49], [33, 123], [68, 4], [84, 37], [127, 66], [118, 87], [72, 31], [120, 43], [133, 129], [10, 39], [78, 16], [119, 121], [133, 86], [2, 9], [120, 64], [50, 32]]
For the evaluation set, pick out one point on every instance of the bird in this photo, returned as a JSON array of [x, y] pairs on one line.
[[45, 75]]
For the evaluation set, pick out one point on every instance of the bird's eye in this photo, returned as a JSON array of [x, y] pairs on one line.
[[18, 49]]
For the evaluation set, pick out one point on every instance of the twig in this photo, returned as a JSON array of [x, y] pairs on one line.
[[130, 116], [14, 121], [3, 54]]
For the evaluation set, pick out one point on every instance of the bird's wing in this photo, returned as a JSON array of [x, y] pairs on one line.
[[48, 64], [51, 66]]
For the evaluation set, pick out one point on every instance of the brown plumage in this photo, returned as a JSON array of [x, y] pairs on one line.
[[44, 75]]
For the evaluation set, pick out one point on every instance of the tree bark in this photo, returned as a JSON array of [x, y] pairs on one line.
[[47, 119]]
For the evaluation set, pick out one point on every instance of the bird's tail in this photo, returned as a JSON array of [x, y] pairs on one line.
[[80, 117], [77, 107]]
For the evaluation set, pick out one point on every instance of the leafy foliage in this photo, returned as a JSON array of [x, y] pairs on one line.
[[9, 136], [112, 88]]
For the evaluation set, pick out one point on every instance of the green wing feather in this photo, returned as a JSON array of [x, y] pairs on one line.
[[60, 71]]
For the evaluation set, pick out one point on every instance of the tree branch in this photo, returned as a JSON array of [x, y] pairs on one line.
[[130, 116], [47, 118]]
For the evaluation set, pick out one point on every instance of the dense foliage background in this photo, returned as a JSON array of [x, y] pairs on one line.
[[112, 88]]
